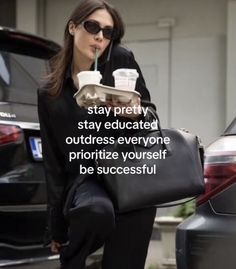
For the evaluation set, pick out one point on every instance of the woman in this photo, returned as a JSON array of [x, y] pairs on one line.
[[91, 221]]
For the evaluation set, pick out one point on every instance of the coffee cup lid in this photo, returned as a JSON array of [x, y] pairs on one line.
[[126, 72]]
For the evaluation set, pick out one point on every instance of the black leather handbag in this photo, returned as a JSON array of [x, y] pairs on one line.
[[178, 176]]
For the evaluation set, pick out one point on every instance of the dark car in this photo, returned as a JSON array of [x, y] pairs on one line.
[[24, 62], [207, 240], [24, 59]]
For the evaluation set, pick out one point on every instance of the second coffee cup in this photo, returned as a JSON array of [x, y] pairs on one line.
[[125, 79]]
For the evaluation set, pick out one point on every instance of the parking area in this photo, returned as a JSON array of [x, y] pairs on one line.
[[43, 265], [153, 259]]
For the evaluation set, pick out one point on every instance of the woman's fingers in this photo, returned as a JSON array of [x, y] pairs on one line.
[[55, 247]]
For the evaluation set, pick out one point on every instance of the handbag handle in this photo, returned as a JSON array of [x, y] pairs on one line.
[[156, 117]]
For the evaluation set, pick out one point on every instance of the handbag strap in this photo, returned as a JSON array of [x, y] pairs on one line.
[[180, 202]]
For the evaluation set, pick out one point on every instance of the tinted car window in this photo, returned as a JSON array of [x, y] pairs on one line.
[[231, 129], [20, 77]]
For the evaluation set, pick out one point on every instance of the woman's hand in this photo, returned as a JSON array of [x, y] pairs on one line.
[[55, 247], [117, 103]]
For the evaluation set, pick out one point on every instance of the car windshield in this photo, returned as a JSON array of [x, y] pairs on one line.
[[20, 77]]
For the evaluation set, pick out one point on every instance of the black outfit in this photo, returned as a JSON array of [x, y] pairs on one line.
[[92, 220]]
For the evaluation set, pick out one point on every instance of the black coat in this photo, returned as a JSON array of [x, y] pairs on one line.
[[58, 117]]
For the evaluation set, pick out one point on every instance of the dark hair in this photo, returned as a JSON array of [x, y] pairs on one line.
[[61, 61]]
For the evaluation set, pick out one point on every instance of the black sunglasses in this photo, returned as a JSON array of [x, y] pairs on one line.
[[94, 28]]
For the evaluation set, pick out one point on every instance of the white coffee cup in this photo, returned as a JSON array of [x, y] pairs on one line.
[[125, 79], [88, 77]]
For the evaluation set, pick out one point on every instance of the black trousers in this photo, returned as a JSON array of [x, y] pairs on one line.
[[93, 223]]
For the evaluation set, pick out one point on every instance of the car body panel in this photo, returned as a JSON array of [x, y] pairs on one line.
[[207, 239]]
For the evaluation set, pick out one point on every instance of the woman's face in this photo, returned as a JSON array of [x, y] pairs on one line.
[[85, 43]]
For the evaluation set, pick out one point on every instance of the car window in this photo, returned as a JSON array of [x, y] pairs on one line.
[[20, 77], [231, 129]]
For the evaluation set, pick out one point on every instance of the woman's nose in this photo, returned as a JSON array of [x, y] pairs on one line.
[[99, 35]]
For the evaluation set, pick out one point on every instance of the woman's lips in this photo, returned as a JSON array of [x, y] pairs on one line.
[[95, 47]]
